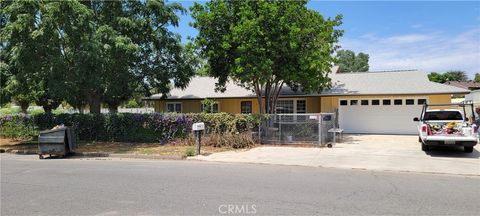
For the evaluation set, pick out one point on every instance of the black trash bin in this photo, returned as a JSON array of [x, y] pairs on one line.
[[60, 142]]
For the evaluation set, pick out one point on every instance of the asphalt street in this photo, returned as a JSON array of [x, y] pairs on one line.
[[30, 186]]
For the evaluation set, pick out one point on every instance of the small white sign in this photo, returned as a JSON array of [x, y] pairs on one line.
[[198, 126], [313, 117]]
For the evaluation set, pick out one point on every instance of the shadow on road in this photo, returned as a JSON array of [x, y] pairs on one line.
[[452, 151]]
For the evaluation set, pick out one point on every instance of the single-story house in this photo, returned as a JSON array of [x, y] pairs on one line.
[[366, 102]]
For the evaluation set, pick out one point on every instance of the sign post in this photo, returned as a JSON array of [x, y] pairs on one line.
[[198, 128]]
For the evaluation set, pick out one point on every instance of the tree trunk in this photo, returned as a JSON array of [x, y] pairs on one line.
[[267, 98], [95, 104], [47, 109], [113, 109], [81, 109], [24, 107]]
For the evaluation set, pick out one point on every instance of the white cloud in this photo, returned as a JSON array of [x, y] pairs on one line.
[[434, 51], [410, 38]]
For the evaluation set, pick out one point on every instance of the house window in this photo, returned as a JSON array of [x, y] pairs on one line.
[[421, 101], [387, 102], [246, 107], [375, 102], [343, 103], [409, 102], [364, 102], [353, 102], [397, 102], [174, 107], [284, 106], [291, 106], [210, 109], [301, 106]]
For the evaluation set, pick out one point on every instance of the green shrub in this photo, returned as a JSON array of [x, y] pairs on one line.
[[17, 127], [132, 103], [190, 151], [130, 127], [9, 110]]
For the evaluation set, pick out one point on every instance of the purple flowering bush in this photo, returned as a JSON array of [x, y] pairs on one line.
[[128, 127]]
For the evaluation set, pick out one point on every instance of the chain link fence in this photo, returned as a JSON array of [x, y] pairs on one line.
[[304, 128]]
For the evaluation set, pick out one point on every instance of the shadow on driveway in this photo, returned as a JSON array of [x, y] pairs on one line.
[[452, 152]]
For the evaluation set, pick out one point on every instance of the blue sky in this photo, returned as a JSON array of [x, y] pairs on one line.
[[428, 35]]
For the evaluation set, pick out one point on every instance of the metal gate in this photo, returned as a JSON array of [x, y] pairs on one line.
[[298, 128]]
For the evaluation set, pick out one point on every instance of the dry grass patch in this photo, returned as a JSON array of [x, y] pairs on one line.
[[179, 147], [6, 143], [144, 148]]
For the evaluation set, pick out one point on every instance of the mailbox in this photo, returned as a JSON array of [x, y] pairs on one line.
[[198, 126]]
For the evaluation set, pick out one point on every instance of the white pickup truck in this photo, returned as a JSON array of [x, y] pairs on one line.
[[445, 127]]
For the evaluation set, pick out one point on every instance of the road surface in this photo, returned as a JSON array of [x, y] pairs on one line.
[[131, 187]]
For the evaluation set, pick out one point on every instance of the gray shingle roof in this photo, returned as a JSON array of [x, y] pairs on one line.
[[401, 82], [361, 83]]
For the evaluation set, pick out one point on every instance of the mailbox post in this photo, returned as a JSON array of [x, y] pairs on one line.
[[198, 128]]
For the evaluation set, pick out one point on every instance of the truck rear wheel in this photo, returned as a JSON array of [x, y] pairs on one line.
[[468, 149], [425, 147]]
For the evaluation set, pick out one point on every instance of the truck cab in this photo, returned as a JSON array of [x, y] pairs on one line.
[[446, 127]]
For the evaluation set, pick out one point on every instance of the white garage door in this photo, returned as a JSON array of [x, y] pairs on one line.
[[380, 116]]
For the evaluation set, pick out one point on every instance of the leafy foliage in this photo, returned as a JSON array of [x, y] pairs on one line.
[[207, 105], [349, 62], [264, 45], [128, 127], [90, 52], [448, 76], [477, 77]]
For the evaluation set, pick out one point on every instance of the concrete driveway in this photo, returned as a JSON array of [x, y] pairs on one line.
[[370, 152]]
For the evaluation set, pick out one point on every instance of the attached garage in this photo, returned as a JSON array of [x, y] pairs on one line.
[[383, 102], [381, 116]]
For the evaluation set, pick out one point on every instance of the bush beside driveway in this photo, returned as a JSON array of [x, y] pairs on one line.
[[369, 152]]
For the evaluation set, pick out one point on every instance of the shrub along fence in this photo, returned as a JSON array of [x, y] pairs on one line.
[[128, 127]]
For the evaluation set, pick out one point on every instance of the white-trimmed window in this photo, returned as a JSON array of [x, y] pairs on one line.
[[301, 106], [291, 106], [210, 109], [174, 107], [246, 107]]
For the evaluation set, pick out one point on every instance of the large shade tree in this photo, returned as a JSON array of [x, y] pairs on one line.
[[30, 52], [91, 52], [348, 61], [266, 45]]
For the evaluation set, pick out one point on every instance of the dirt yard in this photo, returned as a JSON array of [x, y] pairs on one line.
[[173, 149]]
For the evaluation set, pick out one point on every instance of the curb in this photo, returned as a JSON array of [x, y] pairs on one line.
[[155, 157], [101, 154], [91, 154]]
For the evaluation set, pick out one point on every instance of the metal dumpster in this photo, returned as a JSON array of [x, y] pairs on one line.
[[59, 141]]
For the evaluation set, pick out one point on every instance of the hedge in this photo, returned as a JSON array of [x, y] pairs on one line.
[[127, 127]]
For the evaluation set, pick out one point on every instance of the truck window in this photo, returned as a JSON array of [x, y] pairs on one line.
[[443, 116]]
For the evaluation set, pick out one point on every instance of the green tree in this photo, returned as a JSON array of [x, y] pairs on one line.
[[349, 62], [265, 45], [448, 76], [477, 77], [91, 52], [20, 39]]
